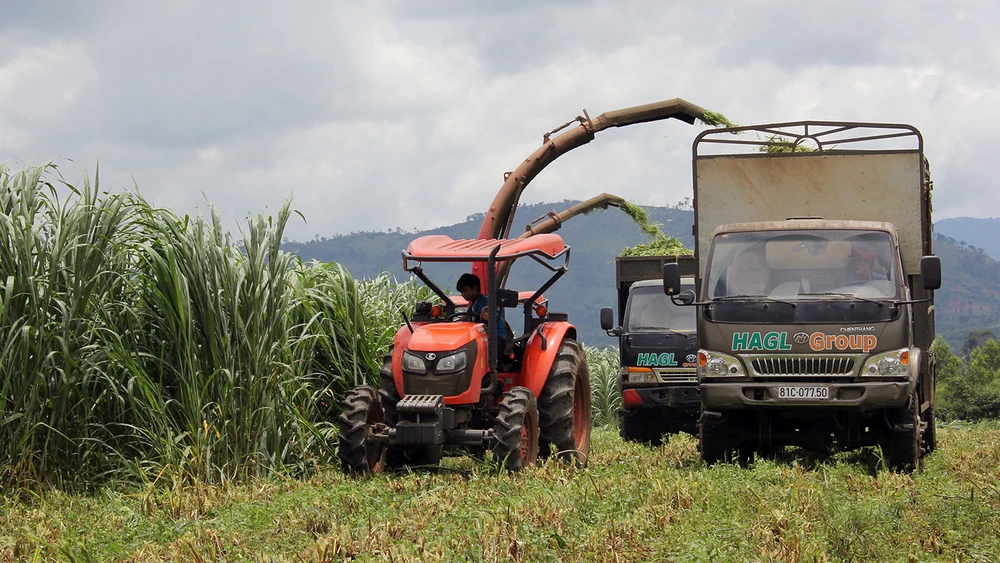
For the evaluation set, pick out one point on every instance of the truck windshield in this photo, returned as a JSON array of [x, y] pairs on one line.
[[650, 310], [803, 265]]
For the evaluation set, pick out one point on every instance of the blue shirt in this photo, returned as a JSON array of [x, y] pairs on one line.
[[477, 306]]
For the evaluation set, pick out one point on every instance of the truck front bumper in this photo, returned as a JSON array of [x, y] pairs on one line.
[[678, 397], [751, 395]]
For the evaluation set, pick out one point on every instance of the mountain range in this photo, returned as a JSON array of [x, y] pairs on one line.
[[969, 298]]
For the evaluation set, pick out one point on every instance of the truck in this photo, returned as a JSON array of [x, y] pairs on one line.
[[815, 302], [657, 346]]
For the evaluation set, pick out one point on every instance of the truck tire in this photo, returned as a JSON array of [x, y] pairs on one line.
[[640, 425], [713, 442], [901, 446], [564, 406], [516, 430], [718, 444], [930, 432], [358, 453]]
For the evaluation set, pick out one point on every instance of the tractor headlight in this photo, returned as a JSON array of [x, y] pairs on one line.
[[714, 364], [896, 362], [414, 363], [452, 362]]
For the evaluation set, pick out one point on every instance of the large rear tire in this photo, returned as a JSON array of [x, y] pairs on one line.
[[564, 406], [516, 430], [902, 442], [387, 393], [358, 452]]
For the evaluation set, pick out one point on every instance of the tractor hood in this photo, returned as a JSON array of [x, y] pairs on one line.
[[445, 336]]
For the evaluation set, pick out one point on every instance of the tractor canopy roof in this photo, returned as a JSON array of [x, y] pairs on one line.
[[442, 248]]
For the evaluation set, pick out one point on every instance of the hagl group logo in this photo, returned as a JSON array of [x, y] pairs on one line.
[[820, 342]]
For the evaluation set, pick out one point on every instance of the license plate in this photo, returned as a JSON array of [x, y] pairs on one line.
[[820, 393]]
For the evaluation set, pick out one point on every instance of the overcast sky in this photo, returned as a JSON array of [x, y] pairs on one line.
[[384, 114]]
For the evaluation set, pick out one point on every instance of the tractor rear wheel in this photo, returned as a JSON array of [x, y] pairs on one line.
[[564, 406], [387, 393], [357, 451], [516, 430]]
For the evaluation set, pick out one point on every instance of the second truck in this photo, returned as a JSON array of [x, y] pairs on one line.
[[657, 346], [815, 317]]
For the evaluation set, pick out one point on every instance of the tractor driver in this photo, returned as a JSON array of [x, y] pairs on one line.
[[468, 285]]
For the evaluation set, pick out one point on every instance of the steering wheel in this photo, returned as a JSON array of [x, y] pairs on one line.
[[459, 314]]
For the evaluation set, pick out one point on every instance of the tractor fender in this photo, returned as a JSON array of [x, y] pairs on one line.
[[537, 363]]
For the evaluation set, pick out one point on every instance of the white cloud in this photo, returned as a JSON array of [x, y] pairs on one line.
[[406, 113]]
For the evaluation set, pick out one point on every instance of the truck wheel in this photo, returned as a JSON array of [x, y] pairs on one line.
[[902, 441], [718, 444], [564, 406], [516, 430], [357, 451], [640, 426], [713, 442], [930, 432]]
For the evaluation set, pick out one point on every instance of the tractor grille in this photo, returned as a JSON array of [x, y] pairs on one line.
[[808, 365]]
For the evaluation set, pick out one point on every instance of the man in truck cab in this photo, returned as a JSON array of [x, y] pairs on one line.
[[748, 273], [862, 267]]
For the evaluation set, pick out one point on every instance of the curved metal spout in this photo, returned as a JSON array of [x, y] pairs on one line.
[[497, 222], [500, 215]]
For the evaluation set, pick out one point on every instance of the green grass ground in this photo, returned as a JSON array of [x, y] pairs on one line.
[[632, 503]]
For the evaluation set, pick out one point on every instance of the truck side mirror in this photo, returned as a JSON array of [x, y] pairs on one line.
[[930, 272], [672, 278], [608, 322], [607, 318]]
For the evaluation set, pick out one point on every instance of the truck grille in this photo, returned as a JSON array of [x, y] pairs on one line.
[[810, 365], [676, 375]]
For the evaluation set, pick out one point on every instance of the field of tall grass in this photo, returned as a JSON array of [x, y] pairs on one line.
[[141, 345]]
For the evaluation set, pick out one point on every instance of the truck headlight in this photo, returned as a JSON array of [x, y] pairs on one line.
[[714, 364], [414, 363], [642, 375], [895, 362], [451, 363]]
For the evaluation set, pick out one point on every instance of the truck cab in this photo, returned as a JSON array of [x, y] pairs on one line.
[[815, 313], [658, 345]]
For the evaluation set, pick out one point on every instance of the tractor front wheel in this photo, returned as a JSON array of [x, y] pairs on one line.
[[358, 452], [564, 406], [516, 430]]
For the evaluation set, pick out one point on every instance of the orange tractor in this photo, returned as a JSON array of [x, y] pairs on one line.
[[446, 384]]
